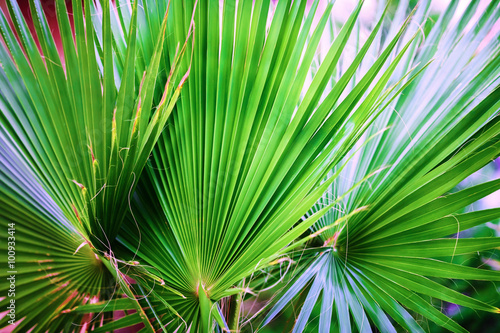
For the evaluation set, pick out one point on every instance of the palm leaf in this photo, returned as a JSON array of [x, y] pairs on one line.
[[85, 139], [54, 268], [384, 259], [244, 154]]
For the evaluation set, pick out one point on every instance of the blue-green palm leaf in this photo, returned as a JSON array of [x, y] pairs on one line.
[[376, 265]]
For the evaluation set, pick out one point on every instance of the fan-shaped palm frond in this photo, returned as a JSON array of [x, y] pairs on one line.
[[243, 156], [50, 271], [86, 137], [376, 265]]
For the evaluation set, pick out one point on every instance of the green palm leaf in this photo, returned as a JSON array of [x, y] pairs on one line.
[[244, 154], [53, 270], [384, 259], [83, 136]]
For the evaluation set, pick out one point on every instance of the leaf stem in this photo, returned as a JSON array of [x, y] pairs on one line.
[[205, 306], [235, 310]]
